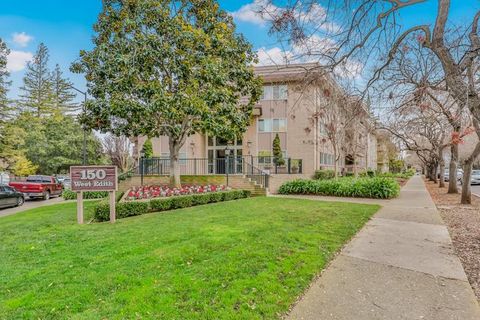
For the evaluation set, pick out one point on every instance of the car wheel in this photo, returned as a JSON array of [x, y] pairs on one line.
[[46, 196], [20, 201]]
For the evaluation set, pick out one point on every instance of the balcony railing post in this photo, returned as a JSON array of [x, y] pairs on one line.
[[226, 168]]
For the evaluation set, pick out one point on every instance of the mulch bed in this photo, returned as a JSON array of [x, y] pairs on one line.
[[463, 222]]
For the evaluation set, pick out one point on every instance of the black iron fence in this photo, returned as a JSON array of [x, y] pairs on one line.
[[245, 165]]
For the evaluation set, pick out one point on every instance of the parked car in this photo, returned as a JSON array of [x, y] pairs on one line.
[[475, 177], [9, 197], [39, 187], [67, 183], [447, 175]]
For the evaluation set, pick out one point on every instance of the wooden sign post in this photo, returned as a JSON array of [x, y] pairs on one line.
[[94, 178]]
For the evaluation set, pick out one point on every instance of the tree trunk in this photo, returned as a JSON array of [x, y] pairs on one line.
[[441, 183], [335, 160], [435, 173], [174, 164], [452, 174], [467, 175]]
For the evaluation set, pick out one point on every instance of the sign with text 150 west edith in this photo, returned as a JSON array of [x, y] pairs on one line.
[[93, 178]]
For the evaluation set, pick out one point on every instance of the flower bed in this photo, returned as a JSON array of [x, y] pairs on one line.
[[152, 192]]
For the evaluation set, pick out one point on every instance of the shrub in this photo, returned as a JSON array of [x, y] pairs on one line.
[[216, 197], [134, 208], [101, 211], [246, 193], [324, 174], [182, 202], [367, 173], [162, 204], [377, 187], [199, 199], [68, 194]]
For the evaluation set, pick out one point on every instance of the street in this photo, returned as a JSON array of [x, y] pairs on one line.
[[476, 190], [30, 204]]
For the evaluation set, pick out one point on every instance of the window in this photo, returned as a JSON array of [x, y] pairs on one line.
[[279, 125], [265, 157], [264, 125], [327, 159], [275, 92], [272, 125]]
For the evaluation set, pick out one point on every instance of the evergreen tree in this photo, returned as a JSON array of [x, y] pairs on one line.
[[148, 149], [5, 108], [277, 151], [62, 92], [37, 90]]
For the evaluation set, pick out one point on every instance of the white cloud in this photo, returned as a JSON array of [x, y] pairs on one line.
[[17, 60], [309, 50], [273, 56], [21, 39], [251, 12], [260, 12]]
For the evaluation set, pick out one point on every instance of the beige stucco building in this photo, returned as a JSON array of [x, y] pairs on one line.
[[296, 105]]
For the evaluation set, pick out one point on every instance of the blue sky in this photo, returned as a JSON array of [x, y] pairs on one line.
[[66, 28]]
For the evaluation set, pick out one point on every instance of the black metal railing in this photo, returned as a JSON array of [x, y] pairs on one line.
[[259, 176], [220, 166]]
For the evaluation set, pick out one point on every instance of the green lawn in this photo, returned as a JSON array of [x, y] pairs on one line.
[[245, 259]]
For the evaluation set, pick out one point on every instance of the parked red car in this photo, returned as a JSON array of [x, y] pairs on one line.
[[39, 187]]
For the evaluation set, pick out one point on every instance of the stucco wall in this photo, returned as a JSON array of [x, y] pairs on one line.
[[277, 180]]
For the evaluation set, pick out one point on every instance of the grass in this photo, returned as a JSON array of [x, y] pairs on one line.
[[245, 259]]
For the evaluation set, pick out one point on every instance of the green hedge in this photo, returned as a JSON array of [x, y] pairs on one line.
[[377, 187], [324, 174], [68, 194], [135, 208]]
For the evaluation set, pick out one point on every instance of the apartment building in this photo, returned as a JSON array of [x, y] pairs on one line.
[[301, 105]]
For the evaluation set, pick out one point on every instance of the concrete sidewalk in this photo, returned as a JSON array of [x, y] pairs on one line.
[[401, 265]]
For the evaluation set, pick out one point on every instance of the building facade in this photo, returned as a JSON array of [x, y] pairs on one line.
[[295, 106]]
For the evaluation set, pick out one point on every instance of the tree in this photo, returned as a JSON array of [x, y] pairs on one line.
[[148, 149], [37, 90], [277, 151], [62, 92], [55, 143], [23, 167], [174, 68], [119, 149], [5, 108]]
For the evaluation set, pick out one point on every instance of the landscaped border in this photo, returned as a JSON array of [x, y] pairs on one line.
[[375, 187], [134, 208]]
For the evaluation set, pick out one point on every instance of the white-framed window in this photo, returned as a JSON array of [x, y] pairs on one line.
[[279, 125], [275, 92], [272, 125], [327, 159]]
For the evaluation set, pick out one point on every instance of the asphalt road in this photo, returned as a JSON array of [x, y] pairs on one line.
[[30, 204], [476, 190]]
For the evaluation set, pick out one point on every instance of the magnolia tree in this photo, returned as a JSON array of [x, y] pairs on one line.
[[174, 68]]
